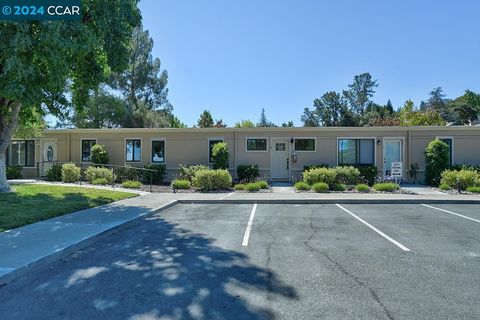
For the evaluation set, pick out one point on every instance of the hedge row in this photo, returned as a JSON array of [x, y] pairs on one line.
[[367, 174], [459, 179]]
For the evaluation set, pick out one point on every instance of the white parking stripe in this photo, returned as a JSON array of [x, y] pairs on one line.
[[249, 226], [228, 195], [395, 242], [455, 214]]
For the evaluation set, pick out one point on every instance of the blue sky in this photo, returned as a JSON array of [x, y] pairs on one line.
[[235, 57]]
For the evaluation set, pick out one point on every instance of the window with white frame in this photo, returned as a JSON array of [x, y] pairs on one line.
[[356, 151], [158, 151], [256, 144], [87, 145], [211, 143], [304, 144], [133, 150], [21, 153]]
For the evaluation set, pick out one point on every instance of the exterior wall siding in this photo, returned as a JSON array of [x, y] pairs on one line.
[[190, 146]]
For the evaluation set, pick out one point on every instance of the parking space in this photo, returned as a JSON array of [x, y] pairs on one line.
[[267, 261]]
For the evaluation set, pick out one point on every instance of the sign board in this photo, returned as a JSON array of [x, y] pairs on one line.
[[397, 169]]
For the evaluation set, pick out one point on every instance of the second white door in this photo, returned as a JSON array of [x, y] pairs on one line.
[[279, 160]]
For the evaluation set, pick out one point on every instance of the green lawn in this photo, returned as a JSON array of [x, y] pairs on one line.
[[31, 203]]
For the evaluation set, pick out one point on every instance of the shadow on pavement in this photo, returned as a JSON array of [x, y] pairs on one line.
[[151, 270]]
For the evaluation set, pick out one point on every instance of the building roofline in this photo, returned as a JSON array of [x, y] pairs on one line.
[[267, 129]]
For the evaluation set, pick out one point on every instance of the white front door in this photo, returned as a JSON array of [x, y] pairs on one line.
[[49, 155], [392, 152], [279, 160]]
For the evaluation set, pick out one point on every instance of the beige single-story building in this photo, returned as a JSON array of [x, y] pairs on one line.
[[280, 153]]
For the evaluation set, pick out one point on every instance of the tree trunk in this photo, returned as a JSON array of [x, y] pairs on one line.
[[4, 186], [9, 112]]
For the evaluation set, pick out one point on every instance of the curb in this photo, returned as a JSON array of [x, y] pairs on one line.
[[327, 201], [49, 258]]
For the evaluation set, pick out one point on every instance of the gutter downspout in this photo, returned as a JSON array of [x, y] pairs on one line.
[[409, 153], [69, 148], [234, 154]]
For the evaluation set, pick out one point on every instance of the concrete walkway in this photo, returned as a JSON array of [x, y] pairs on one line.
[[420, 189], [23, 246], [282, 187], [45, 241]]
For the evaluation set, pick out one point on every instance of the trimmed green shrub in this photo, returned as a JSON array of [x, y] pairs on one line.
[[127, 173], [459, 167], [54, 173], [386, 187], [368, 174], [14, 172], [460, 180], [131, 184], [325, 175], [93, 173], [473, 189], [320, 187], [444, 187], [99, 155], [362, 188], [263, 184], [247, 172], [99, 181], [252, 187], [315, 166], [70, 173], [157, 175], [436, 159], [210, 180], [338, 187], [180, 184], [300, 185], [347, 175], [220, 155], [239, 187], [188, 172]]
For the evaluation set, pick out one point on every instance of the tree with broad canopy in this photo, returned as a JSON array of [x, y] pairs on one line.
[[42, 61]]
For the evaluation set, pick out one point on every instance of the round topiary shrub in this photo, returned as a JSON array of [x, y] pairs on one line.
[[436, 158], [473, 189], [99, 181], [248, 172], [460, 179], [14, 172], [302, 186], [239, 187], [220, 156], [99, 155], [212, 180], [386, 187], [180, 184], [325, 175], [263, 184], [92, 173], [363, 188], [131, 184], [338, 187], [320, 187], [54, 173], [70, 173], [252, 187], [347, 175]]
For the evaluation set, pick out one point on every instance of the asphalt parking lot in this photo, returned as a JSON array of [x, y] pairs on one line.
[[265, 261]]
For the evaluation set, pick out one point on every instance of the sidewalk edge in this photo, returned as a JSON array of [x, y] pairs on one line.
[[47, 259]]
